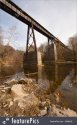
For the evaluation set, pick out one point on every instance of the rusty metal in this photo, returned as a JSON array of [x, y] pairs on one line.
[[11, 8], [14, 10], [33, 42], [30, 57]]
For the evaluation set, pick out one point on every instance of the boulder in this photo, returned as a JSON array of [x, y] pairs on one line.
[[63, 112], [28, 101], [17, 91], [43, 112]]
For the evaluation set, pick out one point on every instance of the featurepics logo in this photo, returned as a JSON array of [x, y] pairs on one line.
[[24, 121], [20, 121]]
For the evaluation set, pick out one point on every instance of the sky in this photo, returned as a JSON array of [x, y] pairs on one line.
[[57, 16]]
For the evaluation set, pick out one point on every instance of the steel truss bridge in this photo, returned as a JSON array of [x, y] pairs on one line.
[[15, 11]]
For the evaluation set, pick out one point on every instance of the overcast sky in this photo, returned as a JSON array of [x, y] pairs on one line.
[[58, 16]]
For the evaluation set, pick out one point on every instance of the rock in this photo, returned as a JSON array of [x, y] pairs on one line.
[[11, 82], [22, 81], [27, 106], [25, 81], [43, 112], [28, 101], [7, 89], [3, 91], [63, 112], [69, 112], [1, 87], [28, 80], [42, 104], [18, 91], [11, 103], [15, 110]]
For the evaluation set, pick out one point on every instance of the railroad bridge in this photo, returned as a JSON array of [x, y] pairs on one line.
[[56, 51]]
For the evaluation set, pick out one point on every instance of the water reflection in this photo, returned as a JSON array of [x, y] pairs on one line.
[[62, 79], [52, 75], [56, 74], [68, 90]]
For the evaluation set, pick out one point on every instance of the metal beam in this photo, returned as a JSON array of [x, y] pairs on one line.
[[11, 8], [33, 42]]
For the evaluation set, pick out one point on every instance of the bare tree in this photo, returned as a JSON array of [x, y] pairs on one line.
[[72, 43], [42, 48], [1, 35], [12, 34]]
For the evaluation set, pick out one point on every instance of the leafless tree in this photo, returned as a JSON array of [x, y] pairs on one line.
[[12, 34], [72, 43], [1, 35]]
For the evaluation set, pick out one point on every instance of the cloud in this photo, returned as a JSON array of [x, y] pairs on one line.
[[58, 16]]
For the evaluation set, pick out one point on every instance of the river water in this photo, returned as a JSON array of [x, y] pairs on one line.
[[62, 79]]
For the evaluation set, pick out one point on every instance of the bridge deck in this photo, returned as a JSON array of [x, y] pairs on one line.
[[17, 12], [14, 10]]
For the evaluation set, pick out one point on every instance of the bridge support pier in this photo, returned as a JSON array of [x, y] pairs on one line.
[[30, 56], [30, 34], [55, 52], [54, 45]]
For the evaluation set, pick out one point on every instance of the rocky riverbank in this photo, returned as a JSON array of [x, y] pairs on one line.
[[25, 97]]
